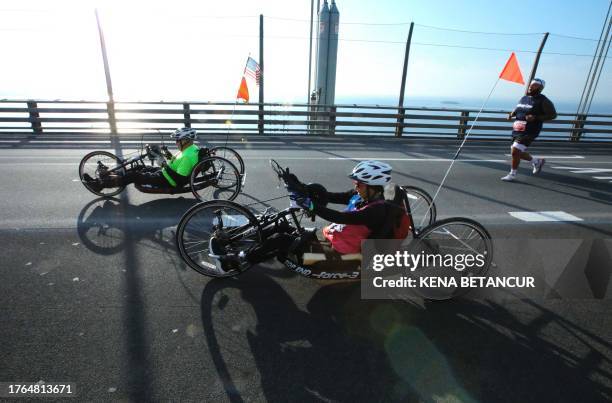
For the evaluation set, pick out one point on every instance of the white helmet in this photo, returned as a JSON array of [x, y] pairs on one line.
[[373, 173], [184, 133], [539, 81]]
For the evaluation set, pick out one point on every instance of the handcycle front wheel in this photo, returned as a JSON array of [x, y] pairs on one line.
[[422, 207], [215, 178], [229, 154], [236, 228], [98, 164], [444, 247]]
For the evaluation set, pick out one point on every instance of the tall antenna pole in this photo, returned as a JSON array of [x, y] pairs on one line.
[[262, 74], [310, 50], [110, 106], [400, 120], [536, 61]]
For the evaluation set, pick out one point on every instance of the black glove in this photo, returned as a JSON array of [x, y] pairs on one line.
[[167, 153], [293, 183], [155, 149]]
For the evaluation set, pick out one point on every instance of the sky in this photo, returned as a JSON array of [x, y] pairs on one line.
[[196, 50]]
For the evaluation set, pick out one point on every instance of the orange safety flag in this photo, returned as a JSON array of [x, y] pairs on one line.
[[243, 91], [512, 71]]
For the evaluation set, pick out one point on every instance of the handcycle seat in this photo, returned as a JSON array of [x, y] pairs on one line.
[[163, 189], [203, 153], [324, 262]]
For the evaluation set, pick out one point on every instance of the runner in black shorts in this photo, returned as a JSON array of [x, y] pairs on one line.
[[532, 110]]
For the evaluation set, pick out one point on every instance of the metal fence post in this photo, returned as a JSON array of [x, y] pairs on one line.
[[186, 115], [34, 117], [112, 120], [332, 120], [399, 129], [578, 126], [463, 121]]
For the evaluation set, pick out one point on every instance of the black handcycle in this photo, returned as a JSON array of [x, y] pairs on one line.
[[219, 173], [241, 231]]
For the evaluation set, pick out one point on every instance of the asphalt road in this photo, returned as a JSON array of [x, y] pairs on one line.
[[112, 307]]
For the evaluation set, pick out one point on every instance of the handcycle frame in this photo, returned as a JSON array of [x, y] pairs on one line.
[[461, 231], [263, 225], [207, 157]]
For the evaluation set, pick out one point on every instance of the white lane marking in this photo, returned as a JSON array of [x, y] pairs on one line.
[[246, 142], [602, 177], [591, 170], [544, 216], [40, 164], [317, 159], [559, 157], [325, 143], [10, 141], [37, 164], [577, 170], [69, 141], [406, 159]]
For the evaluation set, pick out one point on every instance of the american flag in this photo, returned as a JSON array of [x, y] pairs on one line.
[[253, 70]]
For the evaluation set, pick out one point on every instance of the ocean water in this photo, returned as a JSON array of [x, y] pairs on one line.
[[562, 106]]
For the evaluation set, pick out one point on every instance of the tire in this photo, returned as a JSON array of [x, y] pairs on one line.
[[422, 208], [200, 223], [452, 236], [89, 165], [226, 180], [231, 155]]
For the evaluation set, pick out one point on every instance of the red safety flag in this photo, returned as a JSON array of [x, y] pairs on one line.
[[512, 71], [243, 91]]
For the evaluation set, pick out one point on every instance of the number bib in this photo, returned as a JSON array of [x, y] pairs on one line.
[[519, 126]]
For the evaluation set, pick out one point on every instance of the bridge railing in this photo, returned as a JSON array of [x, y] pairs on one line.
[[41, 117]]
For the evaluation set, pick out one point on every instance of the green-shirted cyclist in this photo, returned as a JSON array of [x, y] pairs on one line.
[[174, 172]]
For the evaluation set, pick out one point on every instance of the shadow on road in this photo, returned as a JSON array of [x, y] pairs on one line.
[[104, 223], [342, 348]]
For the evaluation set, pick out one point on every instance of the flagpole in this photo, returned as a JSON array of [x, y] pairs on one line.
[[467, 134], [236, 100]]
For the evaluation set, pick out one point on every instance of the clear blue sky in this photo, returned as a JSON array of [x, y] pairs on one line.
[[195, 50]]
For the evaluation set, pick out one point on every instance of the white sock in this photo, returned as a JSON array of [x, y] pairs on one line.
[[513, 172]]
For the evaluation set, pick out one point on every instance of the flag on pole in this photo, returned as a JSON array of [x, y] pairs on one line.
[[512, 71], [243, 91], [253, 70]]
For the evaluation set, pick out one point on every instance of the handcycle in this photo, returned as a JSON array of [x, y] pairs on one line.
[[241, 231], [219, 173]]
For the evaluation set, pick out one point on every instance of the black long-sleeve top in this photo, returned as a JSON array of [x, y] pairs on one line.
[[374, 217]]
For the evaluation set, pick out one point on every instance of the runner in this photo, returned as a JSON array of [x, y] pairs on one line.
[[532, 110]]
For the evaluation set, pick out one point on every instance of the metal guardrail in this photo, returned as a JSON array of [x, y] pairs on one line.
[[41, 116]]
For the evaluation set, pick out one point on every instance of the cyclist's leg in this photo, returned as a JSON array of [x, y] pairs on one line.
[[321, 259], [150, 177], [115, 180], [276, 245]]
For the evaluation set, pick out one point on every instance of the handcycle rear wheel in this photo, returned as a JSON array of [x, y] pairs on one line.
[[422, 208], [229, 154], [229, 222], [96, 164], [451, 240], [215, 178]]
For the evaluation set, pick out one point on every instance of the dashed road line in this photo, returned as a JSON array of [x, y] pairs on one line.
[[586, 170], [560, 157], [544, 216]]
